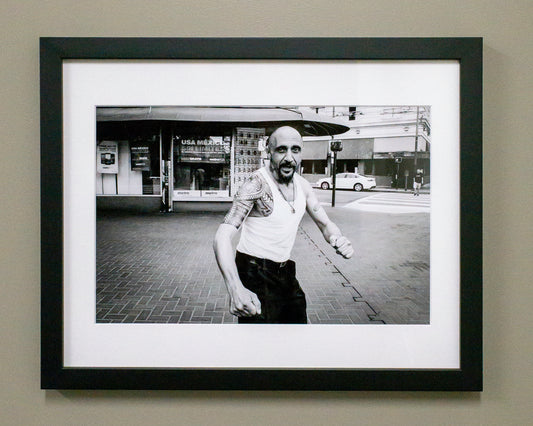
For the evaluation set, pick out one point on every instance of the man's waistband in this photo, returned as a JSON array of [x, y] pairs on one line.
[[265, 263]]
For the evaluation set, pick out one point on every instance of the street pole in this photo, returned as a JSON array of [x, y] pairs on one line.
[[334, 180], [416, 140], [334, 147], [397, 174]]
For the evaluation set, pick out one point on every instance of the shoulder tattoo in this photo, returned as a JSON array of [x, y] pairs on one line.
[[251, 189], [253, 198]]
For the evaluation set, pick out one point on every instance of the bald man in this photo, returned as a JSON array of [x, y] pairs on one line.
[[260, 278]]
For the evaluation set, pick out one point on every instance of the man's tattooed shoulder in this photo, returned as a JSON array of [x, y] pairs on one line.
[[254, 198], [264, 204], [251, 189]]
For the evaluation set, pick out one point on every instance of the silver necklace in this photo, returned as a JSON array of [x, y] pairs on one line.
[[291, 205]]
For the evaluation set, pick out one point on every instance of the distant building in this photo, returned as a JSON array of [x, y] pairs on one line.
[[389, 143]]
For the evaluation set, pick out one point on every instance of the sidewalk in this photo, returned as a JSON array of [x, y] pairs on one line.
[[161, 268], [401, 190]]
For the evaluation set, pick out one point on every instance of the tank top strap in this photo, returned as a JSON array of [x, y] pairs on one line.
[[268, 179]]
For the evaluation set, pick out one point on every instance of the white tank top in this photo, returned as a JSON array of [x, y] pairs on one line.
[[272, 237]]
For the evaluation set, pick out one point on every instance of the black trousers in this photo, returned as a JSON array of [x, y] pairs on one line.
[[282, 299]]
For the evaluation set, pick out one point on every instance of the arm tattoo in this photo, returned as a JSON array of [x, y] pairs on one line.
[[254, 198], [238, 212]]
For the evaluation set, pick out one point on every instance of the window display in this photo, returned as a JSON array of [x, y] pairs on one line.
[[201, 166]]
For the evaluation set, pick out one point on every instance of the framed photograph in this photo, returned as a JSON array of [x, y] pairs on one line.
[[261, 214]]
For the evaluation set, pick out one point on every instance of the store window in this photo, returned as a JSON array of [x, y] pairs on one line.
[[385, 167], [347, 165], [315, 167], [201, 166], [145, 158]]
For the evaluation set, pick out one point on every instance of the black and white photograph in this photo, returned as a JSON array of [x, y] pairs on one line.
[[314, 214], [215, 210]]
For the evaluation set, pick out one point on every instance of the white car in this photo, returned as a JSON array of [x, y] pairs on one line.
[[353, 181]]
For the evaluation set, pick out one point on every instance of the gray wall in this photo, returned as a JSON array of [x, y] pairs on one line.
[[508, 30]]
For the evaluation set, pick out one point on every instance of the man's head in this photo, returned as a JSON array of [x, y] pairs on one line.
[[285, 150]]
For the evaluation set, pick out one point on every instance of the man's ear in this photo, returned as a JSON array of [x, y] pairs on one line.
[[267, 147]]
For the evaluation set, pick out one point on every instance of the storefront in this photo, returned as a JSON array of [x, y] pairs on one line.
[[158, 157], [128, 167], [391, 161], [397, 169], [213, 167], [317, 162]]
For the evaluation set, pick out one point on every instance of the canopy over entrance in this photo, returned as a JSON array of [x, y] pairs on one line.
[[306, 122]]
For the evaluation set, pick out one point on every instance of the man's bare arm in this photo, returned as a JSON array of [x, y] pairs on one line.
[[330, 231], [243, 302]]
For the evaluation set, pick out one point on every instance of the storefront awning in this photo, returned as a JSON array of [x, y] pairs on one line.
[[356, 149], [307, 123], [315, 150]]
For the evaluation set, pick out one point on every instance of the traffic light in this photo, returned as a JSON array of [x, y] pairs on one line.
[[336, 146]]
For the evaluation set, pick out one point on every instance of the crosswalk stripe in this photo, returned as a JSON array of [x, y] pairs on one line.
[[399, 197], [396, 203], [411, 200]]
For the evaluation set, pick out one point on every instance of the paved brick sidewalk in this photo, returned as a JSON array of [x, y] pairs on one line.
[[331, 296], [161, 269], [390, 268]]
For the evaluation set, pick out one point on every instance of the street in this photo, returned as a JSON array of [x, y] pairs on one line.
[[342, 196], [390, 268], [375, 201], [156, 268]]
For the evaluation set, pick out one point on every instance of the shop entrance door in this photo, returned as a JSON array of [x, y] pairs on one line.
[[210, 179]]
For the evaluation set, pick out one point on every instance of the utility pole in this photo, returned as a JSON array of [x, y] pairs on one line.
[[416, 140], [397, 160], [335, 147], [334, 179]]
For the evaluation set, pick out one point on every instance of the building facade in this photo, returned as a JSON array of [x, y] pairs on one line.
[[150, 158], [389, 143]]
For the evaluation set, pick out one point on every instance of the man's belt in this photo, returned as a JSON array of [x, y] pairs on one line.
[[265, 263]]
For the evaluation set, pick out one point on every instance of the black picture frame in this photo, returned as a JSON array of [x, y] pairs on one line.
[[467, 51]]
